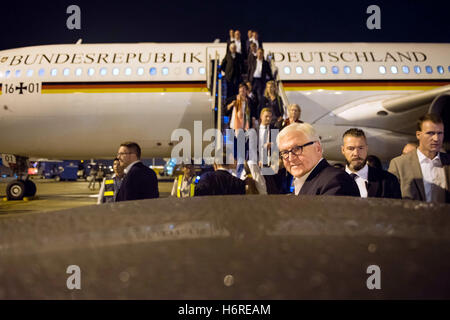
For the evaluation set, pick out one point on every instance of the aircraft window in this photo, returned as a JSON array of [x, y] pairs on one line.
[[323, 70], [78, 71], [287, 70], [347, 69], [165, 71], [358, 69], [66, 71], [7, 73], [440, 69], [54, 72], [335, 69], [299, 70], [140, 71], [189, 70], [429, 69], [152, 71], [116, 71], [201, 70], [103, 71], [311, 70], [30, 72], [91, 71], [18, 73], [41, 72], [448, 68], [417, 69], [394, 69], [1, 74], [405, 69], [382, 69], [128, 71]]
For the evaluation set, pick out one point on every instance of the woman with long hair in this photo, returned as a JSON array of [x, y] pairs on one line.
[[273, 101]]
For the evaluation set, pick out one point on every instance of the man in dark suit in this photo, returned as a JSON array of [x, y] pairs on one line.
[[424, 173], [259, 73], [140, 181], [220, 181], [372, 182], [233, 66], [301, 151], [240, 45]]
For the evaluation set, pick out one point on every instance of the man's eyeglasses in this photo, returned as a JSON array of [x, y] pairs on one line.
[[298, 150]]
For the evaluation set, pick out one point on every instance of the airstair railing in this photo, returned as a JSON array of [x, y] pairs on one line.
[[278, 83]]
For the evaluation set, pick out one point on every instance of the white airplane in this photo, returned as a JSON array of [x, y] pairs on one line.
[[80, 101]]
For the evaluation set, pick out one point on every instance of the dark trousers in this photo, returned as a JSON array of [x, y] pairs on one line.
[[259, 85], [232, 87]]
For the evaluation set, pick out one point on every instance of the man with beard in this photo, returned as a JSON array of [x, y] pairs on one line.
[[372, 182]]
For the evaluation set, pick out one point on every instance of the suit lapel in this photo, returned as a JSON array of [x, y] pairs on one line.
[[374, 183], [310, 180], [417, 174], [445, 159]]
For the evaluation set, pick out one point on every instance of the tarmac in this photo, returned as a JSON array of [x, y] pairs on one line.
[[52, 195], [229, 247]]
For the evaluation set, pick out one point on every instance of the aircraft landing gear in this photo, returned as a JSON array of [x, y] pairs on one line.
[[23, 186]]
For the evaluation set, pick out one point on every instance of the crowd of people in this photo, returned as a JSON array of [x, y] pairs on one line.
[[421, 173], [250, 85]]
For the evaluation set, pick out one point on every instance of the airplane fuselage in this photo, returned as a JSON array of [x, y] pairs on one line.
[[81, 101]]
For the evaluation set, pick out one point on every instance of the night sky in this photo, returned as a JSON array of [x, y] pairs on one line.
[[26, 23]]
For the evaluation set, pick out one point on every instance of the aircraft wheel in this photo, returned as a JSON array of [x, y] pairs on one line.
[[15, 190], [30, 188]]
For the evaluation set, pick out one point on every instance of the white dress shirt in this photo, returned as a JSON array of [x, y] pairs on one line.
[[238, 46], [263, 139], [361, 180], [433, 174], [299, 182], [258, 70]]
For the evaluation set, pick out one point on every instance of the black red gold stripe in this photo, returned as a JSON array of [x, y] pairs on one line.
[[128, 86]]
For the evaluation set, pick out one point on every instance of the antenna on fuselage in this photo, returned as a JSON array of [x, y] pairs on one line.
[[79, 41]]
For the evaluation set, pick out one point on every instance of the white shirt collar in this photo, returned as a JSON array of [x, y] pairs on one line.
[[423, 158], [130, 165], [363, 173], [299, 182]]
